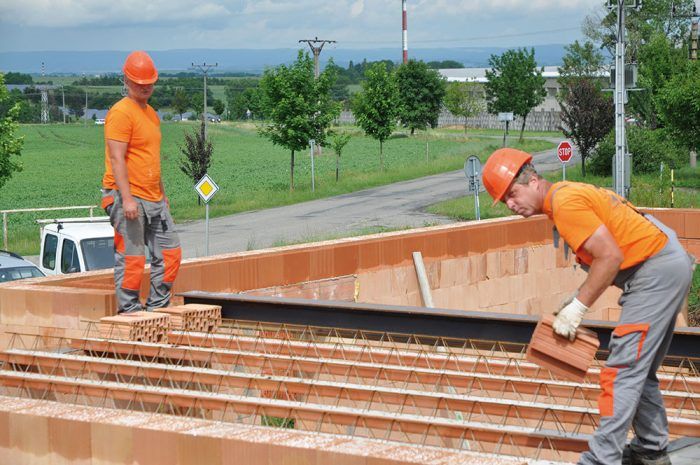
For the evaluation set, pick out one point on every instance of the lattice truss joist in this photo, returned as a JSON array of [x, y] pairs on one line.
[[457, 393]]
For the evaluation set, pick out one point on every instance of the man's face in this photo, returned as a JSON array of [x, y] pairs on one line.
[[139, 92], [524, 199]]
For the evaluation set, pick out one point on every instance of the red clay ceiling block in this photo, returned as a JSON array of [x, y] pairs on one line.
[[562, 357], [692, 224], [369, 254], [346, 259], [268, 271], [435, 245], [322, 266], [693, 248]]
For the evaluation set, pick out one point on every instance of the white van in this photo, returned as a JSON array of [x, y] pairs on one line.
[[72, 245]]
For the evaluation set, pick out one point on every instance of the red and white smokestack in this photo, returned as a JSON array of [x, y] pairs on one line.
[[405, 32]]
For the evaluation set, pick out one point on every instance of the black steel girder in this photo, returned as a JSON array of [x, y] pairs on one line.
[[439, 322]]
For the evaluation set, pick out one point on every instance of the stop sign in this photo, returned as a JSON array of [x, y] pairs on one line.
[[564, 151]]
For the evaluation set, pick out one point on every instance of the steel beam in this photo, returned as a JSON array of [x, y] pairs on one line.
[[437, 322]]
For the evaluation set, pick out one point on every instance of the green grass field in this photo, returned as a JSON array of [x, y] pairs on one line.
[[63, 166]]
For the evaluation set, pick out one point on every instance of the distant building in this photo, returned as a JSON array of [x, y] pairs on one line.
[[550, 74]]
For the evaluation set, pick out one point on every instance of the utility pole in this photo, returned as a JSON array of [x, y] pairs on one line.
[[692, 53], [86, 104], [63, 108], [619, 173], [204, 68], [316, 45], [44, 97]]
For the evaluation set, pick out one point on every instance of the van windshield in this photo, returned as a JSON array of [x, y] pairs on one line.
[[98, 253]]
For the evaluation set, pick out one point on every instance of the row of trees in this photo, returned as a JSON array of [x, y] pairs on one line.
[[299, 107]]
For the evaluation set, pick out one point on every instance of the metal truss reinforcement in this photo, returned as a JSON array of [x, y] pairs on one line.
[[452, 393]]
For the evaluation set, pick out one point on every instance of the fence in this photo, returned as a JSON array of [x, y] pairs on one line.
[[536, 121], [27, 210]]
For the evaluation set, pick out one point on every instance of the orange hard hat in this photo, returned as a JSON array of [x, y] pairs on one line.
[[139, 68], [500, 170]]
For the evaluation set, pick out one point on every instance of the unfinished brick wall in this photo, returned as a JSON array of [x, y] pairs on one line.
[[526, 280], [65, 303]]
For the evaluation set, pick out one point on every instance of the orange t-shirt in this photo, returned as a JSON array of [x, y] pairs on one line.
[[579, 209], [140, 128]]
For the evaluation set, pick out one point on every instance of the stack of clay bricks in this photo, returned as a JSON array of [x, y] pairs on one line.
[[135, 326], [193, 317]]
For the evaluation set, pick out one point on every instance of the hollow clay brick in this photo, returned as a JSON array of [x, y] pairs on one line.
[[69, 442], [368, 255], [692, 224], [559, 355]]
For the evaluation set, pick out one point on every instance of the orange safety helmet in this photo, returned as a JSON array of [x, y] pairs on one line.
[[139, 68], [500, 170]]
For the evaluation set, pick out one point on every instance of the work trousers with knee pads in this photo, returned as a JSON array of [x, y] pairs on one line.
[[653, 294], [153, 229]]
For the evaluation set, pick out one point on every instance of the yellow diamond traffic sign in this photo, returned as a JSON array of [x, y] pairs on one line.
[[206, 188]]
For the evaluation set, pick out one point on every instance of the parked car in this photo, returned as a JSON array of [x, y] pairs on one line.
[[13, 267]]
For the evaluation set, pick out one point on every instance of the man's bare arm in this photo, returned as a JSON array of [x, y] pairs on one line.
[[117, 158], [606, 259]]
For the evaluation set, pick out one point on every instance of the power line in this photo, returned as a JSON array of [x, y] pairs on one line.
[[465, 39]]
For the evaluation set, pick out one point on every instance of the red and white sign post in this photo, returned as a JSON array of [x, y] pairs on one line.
[[564, 152]]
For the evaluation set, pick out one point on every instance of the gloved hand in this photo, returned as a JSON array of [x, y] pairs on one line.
[[569, 318]]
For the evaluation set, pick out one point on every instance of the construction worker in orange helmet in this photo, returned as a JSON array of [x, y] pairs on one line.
[[133, 194], [617, 245]]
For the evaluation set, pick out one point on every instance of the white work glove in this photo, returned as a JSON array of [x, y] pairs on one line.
[[569, 318]]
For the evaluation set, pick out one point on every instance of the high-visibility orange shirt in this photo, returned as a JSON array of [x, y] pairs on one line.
[[579, 209], [140, 128]]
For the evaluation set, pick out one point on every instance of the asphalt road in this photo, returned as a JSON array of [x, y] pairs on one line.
[[396, 205]]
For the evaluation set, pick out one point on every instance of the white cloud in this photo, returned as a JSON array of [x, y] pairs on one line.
[[95, 13], [455, 7], [357, 8]]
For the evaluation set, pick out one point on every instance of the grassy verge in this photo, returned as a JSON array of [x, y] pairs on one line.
[[63, 166]]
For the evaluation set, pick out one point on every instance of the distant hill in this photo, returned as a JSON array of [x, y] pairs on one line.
[[248, 60]]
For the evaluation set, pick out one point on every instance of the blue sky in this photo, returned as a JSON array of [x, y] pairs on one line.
[[34, 25]]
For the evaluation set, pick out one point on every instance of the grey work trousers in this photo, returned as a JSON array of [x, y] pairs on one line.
[[653, 294], [154, 228]]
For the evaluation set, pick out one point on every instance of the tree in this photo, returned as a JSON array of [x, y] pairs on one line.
[[587, 116], [655, 17], [298, 106], [445, 64], [679, 107], [180, 101], [10, 143], [464, 99], [197, 155], [219, 107], [376, 106], [338, 142], [580, 61], [197, 106], [659, 62], [421, 91], [514, 84]]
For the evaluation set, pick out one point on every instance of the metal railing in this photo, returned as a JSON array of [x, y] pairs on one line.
[[28, 210]]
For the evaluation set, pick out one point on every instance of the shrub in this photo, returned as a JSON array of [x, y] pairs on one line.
[[649, 148]]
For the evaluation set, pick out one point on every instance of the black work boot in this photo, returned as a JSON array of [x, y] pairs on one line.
[[634, 456]]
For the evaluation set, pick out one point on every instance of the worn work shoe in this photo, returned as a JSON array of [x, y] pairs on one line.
[[631, 456]]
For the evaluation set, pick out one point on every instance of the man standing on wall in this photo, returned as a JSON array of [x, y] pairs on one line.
[[133, 194], [617, 245]]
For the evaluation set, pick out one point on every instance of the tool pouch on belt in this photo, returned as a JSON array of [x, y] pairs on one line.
[[107, 201]]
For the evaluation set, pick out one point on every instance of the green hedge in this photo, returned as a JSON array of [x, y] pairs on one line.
[[649, 148]]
